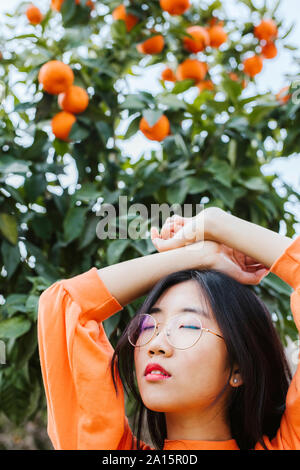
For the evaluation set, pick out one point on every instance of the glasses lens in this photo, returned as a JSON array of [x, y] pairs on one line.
[[184, 331], [141, 329]]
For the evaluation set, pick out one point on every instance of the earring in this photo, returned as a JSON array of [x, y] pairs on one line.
[[235, 381]]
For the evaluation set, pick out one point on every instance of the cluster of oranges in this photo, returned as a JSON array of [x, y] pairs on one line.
[[198, 38], [57, 78], [266, 32]]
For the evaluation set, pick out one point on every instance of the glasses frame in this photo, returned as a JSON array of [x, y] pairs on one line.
[[156, 333]]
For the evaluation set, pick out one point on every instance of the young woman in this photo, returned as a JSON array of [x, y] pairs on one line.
[[201, 356]]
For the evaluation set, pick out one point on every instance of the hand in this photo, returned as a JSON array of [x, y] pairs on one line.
[[179, 231], [239, 266], [232, 262]]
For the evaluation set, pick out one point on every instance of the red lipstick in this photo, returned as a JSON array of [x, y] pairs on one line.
[[155, 372]]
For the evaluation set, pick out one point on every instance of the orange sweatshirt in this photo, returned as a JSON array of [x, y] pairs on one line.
[[83, 409]]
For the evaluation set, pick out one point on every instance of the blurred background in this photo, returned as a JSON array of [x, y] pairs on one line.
[[277, 73]]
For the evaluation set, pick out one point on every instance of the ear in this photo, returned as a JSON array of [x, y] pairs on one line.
[[236, 378]]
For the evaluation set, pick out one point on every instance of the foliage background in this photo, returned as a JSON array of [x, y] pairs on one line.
[[215, 155]]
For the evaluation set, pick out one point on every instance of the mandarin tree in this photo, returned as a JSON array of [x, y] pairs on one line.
[[67, 113]]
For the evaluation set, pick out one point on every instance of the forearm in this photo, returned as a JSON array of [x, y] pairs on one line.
[[260, 243], [133, 278]]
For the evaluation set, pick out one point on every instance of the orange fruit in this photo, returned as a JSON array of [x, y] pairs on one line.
[[56, 77], [205, 85], [62, 124], [266, 30], [152, 45], [193, 69], [56, 4], [74, 100], [217, 35], [175, 7], [269, 50], [34, 15], [119, 13], [253, 65], [159, 131], [283, 96], [168, 75], [200, 39]]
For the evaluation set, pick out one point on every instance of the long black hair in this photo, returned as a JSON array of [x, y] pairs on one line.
[[255, 408]]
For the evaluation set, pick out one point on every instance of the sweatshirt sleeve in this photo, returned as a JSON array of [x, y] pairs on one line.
[[287, 267], [84, 411]]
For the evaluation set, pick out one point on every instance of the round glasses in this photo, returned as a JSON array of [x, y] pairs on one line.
[[182, 331]]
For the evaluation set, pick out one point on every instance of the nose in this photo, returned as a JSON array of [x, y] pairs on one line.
[[159, 344]]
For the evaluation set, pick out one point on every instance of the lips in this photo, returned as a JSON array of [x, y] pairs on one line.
[[151, 367]]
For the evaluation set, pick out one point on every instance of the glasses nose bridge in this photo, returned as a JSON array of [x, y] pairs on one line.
[[165, 328]]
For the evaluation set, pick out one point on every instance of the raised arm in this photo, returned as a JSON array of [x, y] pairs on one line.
[[131, 279], [253, 240], [256, 241], [84, 411]]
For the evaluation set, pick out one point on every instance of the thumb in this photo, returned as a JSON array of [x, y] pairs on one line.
[[169, 244]]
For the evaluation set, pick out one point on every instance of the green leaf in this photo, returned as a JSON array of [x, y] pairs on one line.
[[34, 186], [42, 226], [8, 227], [133, 127], [152, 116], [133, 102], [73, 223], [11, 257], [172, 102], [182, 86], [196, 185], [220, 170], [78, 132], [177, 192], [9, 164], [14, 327], [88, 192], [116, 249], [15, 303], [256, 184], [111, 323], [232, 151], [278, 284], [105, 131], [89, 232], [43, 267]]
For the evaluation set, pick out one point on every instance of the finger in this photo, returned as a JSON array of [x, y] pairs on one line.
[[168, 244], [154, 233], [255, 278], [169, 228], [174, 217]]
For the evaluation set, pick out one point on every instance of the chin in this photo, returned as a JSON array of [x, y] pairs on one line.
[[159, 403]]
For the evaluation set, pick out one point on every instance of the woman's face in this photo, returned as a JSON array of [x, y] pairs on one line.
[[197, 374]]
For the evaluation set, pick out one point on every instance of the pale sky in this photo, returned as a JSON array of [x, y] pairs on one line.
[[271, 78]]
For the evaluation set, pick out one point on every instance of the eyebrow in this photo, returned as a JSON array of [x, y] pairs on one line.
[[198, 310]]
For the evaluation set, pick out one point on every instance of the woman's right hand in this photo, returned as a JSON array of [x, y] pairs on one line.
[[179, 231], [234, 263]]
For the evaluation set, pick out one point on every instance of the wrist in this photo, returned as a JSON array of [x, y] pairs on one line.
[[214, 221], [198, 255]]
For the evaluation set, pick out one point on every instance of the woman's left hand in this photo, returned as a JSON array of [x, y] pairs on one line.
[[241, 267]]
